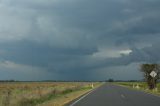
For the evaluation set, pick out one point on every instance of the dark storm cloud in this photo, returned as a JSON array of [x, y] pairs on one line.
[[73, 39], [28, 52]]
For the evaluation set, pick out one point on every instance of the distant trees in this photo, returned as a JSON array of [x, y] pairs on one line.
[[147, 69], [110, 80], [8, 81]]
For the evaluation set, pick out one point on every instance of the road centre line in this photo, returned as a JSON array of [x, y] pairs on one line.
[[122, 96]]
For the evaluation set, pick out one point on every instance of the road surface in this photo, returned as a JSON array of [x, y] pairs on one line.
[[113, 95]]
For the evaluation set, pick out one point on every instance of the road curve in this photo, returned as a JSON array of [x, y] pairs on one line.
[[113, 95]]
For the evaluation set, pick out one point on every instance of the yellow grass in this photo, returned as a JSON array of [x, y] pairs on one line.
[[61, 101], [36, 93]]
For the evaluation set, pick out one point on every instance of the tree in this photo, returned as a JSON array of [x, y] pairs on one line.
[[110, 80], [147, 69]]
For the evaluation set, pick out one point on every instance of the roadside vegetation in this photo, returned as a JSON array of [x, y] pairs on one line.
[[143, 86], [37, 93], [151, 73]]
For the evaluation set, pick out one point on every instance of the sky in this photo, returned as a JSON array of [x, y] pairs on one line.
[[78, 39]]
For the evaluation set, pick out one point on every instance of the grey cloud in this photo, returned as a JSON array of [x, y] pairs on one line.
[[28, 52], [62, 36]]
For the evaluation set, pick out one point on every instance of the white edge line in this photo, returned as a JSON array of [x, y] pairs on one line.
[[82, 97], [148, 93], [143, 91]]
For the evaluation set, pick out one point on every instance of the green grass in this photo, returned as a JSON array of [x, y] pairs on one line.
[[142, 86]]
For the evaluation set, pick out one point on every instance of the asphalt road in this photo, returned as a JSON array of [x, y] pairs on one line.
[[112, 95]]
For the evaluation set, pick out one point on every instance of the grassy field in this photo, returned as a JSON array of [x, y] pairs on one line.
[[40, 93], [140, 86]]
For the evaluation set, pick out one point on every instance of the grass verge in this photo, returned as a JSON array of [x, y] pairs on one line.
[[63, 100], [36, 93], [142, 86]]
